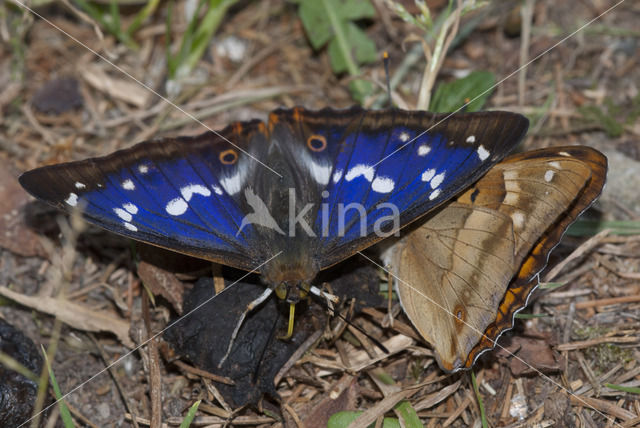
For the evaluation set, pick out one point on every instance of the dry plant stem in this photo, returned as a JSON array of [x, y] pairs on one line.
[[82, 418], [597, 341], [578, 252], [202, 373], [114, 377], [295, 357], [84, 17], [369, 416], [64, 266], [445, 37], [228, 411], [604, 302], [155, 379], [252, 97], [527, 18]]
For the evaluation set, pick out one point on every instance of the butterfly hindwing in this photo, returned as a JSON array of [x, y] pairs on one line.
[[470, 267], [526, 279]]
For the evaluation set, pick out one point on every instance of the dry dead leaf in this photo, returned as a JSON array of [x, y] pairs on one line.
[[163, 283], [74, 315]]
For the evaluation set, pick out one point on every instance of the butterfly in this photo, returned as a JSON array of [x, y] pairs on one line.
[[289, 197], [464, 272]]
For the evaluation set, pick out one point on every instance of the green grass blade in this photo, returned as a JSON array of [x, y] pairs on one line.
[[583, 228], [191, 414], [483, 416], [141, 16], [628, 389], [65, 415]]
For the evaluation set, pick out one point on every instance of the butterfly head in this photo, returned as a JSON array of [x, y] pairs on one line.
[[290, 277]]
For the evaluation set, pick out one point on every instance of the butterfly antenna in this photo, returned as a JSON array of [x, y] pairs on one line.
[[385, 61], [323, 299]]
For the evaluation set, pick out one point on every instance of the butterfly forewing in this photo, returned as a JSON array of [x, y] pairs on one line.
[[410, 161], [182, 194]]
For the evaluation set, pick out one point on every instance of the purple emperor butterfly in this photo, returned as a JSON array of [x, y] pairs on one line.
[[338, 181], [464, 273]]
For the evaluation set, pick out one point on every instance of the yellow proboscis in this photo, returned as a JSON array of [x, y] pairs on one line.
[[292, 312]]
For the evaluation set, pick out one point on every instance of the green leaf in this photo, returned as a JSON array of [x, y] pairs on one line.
[[355, 9], [452, 96], [343, 419], [330, 22], [191, 414], [315, 23], [408, 415], [360, 89], [362, 49]]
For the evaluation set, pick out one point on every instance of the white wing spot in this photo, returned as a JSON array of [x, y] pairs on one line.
[[124, 215], [128, 185], [177, 206], [423, 150], [404, 137], [80, 185], [511, 186], [428, 175], [130, 226], [511, 198], [358, 170], [72, 199], [518, 219], [189, 190], [437, 180], [143, 168], [482, 152], [471, 139], [548, 176], [434, 194], [555, 164], [217, 189], [234, 183], [382, 185], [337, 175], [321, 173], [510, 174], [131, 208]]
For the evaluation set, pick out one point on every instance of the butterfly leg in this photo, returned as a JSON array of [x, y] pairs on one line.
[[390, 282], [250, 307], [330, 298]]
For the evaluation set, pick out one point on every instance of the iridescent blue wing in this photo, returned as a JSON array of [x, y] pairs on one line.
[[184, 194], [413, 161]]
